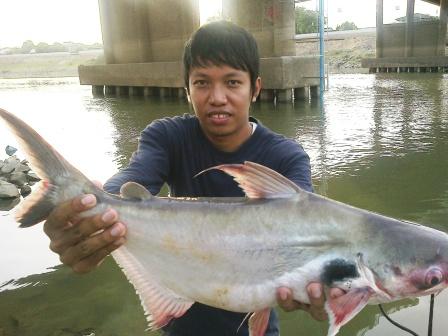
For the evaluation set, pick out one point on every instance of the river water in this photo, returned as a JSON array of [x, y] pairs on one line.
[[378, 142]]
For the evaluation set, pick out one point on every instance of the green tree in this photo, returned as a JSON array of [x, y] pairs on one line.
[[27, 46], [306, 21], [347, 25], [57, 47], [42, 47]]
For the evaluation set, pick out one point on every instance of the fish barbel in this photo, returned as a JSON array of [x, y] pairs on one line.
[[233, 253]]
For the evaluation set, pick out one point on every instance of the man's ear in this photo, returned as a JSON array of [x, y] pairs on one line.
[[187, 93], [257, 89]]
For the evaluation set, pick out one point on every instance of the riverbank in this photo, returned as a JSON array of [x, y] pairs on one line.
[[343, 55], [61, 64]]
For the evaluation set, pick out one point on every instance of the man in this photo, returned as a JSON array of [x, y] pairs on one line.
[[221, 65]]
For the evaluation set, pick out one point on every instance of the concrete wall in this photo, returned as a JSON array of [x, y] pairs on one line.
[[287, 72], [425, 39]]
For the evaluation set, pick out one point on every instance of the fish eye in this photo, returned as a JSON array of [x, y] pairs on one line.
[[433, 277]]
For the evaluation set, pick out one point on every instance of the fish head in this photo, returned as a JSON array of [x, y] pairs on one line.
[[430, 279], [421, 269]]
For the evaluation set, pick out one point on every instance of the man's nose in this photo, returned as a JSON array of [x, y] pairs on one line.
[[218, 95]]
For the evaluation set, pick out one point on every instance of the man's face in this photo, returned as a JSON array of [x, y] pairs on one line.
[[221, 97]]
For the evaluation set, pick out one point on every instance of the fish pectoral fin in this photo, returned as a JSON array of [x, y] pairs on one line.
[[134, 190], [258, 181], [160, 304], [342, 309], [258, 322]]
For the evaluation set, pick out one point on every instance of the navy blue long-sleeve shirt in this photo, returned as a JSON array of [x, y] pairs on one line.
[[173, 151]]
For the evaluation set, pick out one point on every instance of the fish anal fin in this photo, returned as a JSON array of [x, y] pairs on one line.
[[160, 304], [37, 206], [134, 190], [258, 322], [258, 181], [342, 309]]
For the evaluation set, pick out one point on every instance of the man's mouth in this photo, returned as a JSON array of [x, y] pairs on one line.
[[219, 115]]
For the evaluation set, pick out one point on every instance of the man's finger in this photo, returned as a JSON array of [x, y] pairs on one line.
[[85, 228], [336, 292], [316, 294], [286, 301], [93, 244], [87, 264], [67, 213]]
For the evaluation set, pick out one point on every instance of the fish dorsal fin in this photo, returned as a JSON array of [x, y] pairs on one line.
[[258, 181], [160, 304], [134, 190]]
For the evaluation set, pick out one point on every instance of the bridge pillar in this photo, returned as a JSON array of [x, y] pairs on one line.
[[170, 25], [271, 22], [124, 30], [379, 28], [139, 31], [442, 27], [409, 34]]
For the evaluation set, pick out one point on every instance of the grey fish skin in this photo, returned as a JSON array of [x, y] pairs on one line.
[[234, 253]]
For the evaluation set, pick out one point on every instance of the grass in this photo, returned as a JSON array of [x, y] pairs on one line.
[[47, 65]]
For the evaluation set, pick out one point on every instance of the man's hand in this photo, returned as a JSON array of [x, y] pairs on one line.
[[317, 300], [83, 243]]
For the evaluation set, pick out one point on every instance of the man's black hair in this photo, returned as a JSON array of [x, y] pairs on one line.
[[222, 43]]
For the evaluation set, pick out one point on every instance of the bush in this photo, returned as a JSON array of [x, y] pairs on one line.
[[346, 26]]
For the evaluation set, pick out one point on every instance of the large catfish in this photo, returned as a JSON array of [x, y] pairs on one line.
[[234, 253]]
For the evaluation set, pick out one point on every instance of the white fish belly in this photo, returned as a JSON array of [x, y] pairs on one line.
[[232, 260]]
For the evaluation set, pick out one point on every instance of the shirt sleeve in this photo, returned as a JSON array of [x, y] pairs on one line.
[[297, 167], [149, 165]]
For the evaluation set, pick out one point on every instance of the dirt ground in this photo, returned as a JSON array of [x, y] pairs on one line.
[[343, 55]]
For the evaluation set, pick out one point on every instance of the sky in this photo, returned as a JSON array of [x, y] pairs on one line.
[[78, 20], [363, 12]]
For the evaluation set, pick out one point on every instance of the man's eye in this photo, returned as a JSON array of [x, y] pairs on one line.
[[233, 82], [200, 83]]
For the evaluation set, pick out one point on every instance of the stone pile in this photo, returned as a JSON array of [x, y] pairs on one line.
[[16, 179]]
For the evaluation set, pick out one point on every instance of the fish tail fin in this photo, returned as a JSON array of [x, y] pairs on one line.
[[50, 166]]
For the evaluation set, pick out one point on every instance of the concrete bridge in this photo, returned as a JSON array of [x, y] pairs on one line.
[[410, 46], [144, 39]]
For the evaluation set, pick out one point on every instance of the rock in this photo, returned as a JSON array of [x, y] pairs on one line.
[[32, 177], [8, 190], [9, 165], [22, 168], [10, 150], [25, 190], [18, 178], [8, 203]]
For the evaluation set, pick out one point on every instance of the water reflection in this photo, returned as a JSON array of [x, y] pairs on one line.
[[64, 304]]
